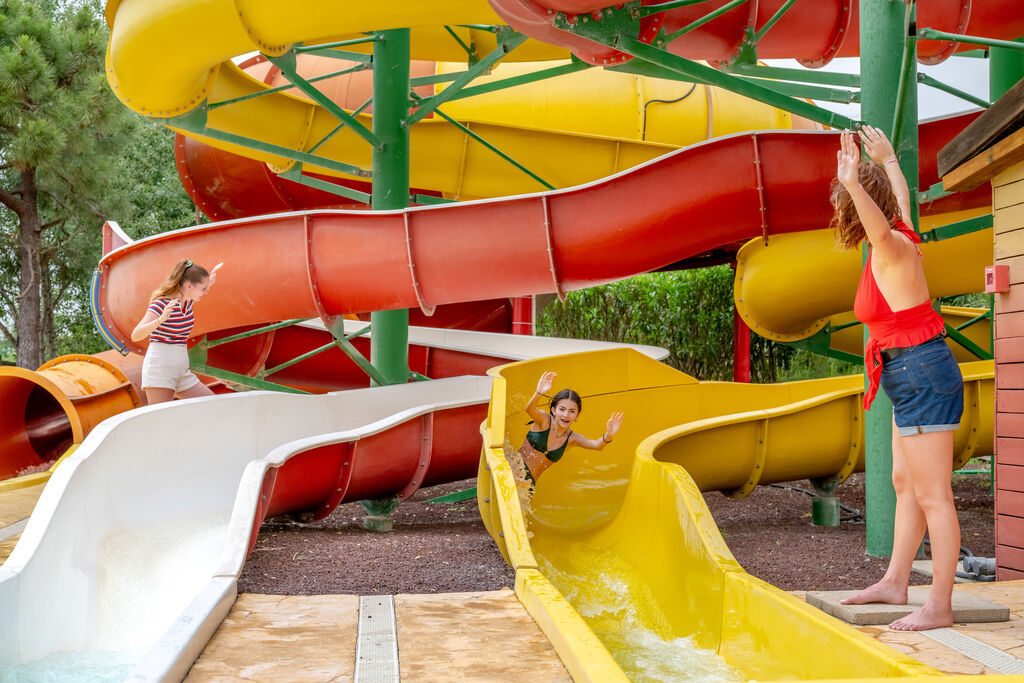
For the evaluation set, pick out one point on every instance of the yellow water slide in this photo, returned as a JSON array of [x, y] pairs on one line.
[[616, 554], [568, 130], [819, 280]]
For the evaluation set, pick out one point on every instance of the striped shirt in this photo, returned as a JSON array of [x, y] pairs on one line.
[[177, 327]]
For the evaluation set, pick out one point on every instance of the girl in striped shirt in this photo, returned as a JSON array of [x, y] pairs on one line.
[[168, 323]]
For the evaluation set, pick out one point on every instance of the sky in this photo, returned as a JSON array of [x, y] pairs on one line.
[[965, 73]]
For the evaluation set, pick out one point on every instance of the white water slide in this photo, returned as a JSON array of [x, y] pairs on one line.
[[131, 557]]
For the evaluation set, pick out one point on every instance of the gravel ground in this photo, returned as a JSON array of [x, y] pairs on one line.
[[440, 548]]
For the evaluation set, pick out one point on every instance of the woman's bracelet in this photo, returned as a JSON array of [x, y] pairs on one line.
[[604, 439], [892, 160]]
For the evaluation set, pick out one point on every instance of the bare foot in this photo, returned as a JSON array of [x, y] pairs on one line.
[[879, 592], [925, 617]]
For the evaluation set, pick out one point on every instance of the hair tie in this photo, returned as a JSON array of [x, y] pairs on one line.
[[188, 264]]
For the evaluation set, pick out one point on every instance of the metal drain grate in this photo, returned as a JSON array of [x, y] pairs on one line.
[[377, 643], [978, 651]]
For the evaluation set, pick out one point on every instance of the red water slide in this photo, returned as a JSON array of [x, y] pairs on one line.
[[329, 263], [811, 32]]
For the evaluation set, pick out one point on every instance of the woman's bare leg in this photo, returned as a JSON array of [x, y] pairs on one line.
[[159, 395], [907, 535], [929, 459], [195, 391]]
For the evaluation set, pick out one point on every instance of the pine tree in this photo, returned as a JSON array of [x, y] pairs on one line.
[[60, 131]]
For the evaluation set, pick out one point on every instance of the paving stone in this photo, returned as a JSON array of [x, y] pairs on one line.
[[966, 608]]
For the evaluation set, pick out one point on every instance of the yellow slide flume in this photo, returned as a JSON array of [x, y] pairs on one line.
[[569, 130], [809, 270], [625, 536]]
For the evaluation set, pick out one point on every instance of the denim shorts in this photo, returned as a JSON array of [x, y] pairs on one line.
[[925, 387]]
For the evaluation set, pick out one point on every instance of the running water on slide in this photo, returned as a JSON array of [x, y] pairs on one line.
[[115, 486]]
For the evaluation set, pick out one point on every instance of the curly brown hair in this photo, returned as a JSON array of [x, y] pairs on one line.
[[845, 221]]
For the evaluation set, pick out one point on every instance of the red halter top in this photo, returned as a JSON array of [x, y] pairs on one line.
[[888, 329]]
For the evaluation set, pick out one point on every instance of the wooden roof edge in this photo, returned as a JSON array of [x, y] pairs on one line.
[[991, 162], [997, 122]]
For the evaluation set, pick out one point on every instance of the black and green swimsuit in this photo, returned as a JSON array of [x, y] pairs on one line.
[[539, 442]]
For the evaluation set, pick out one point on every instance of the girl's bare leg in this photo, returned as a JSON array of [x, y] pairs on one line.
[[195, 391], [907, 534], [929, 459], [159, 395]]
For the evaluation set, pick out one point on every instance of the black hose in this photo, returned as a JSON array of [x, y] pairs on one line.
[[643, 133]]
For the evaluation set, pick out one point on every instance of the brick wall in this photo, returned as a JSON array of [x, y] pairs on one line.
[[1008, 211]]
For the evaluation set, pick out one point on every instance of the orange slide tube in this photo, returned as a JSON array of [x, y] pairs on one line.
[[47, 410]]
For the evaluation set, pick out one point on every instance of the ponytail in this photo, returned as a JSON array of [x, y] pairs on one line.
[[183, 271]]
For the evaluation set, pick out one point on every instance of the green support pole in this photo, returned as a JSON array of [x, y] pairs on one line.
[[1005, 68], [882, 34], [389, 346]]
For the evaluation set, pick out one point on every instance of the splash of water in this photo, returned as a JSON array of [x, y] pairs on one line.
[[624, 614], [73, 667]]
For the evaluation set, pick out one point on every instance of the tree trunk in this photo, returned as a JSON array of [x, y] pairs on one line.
[[29, 321], [49, 334]]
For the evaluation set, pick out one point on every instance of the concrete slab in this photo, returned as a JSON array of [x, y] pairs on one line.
[[16, 505], [296, 638], [484, 636], [967, 608]]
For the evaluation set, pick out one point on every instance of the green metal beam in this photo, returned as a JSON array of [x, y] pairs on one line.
[[436, 78], [950, 230], [289, 86], [429, 105], [197, 360], [342, 342], [932, 34], [617, 28], [963, 341], [252, 333], [925, 79], [471, 52], [908, 66], [936, 191], [347, 56], [296, 175], [287, 64], [987, 315], [389, 347], [800, 75], [491, 147], [458, 496], [663, 40], [542, 74], [427, 199], [665, 6], [341, 43], [267, 372], [195, 122], [771, 22]]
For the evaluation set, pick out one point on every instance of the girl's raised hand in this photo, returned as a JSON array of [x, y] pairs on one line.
[[213, 273], [847, 160], [614, 422], [545, 382], [876, 144]]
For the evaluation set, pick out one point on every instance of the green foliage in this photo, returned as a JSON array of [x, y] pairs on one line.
[[690, 313], [91, 159], [978, 300]]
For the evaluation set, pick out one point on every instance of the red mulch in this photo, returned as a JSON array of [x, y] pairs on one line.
[[440, 548]]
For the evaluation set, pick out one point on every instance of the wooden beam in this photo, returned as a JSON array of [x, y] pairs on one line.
[[985, 166], [1004, 116]]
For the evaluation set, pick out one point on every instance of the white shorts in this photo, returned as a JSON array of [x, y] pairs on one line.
[[166, 367]]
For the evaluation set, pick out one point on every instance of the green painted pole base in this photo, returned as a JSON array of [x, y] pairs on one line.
[[825, 511], [378, 513]]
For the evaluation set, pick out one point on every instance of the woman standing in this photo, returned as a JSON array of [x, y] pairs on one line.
[[168, 323], [907, 354]]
